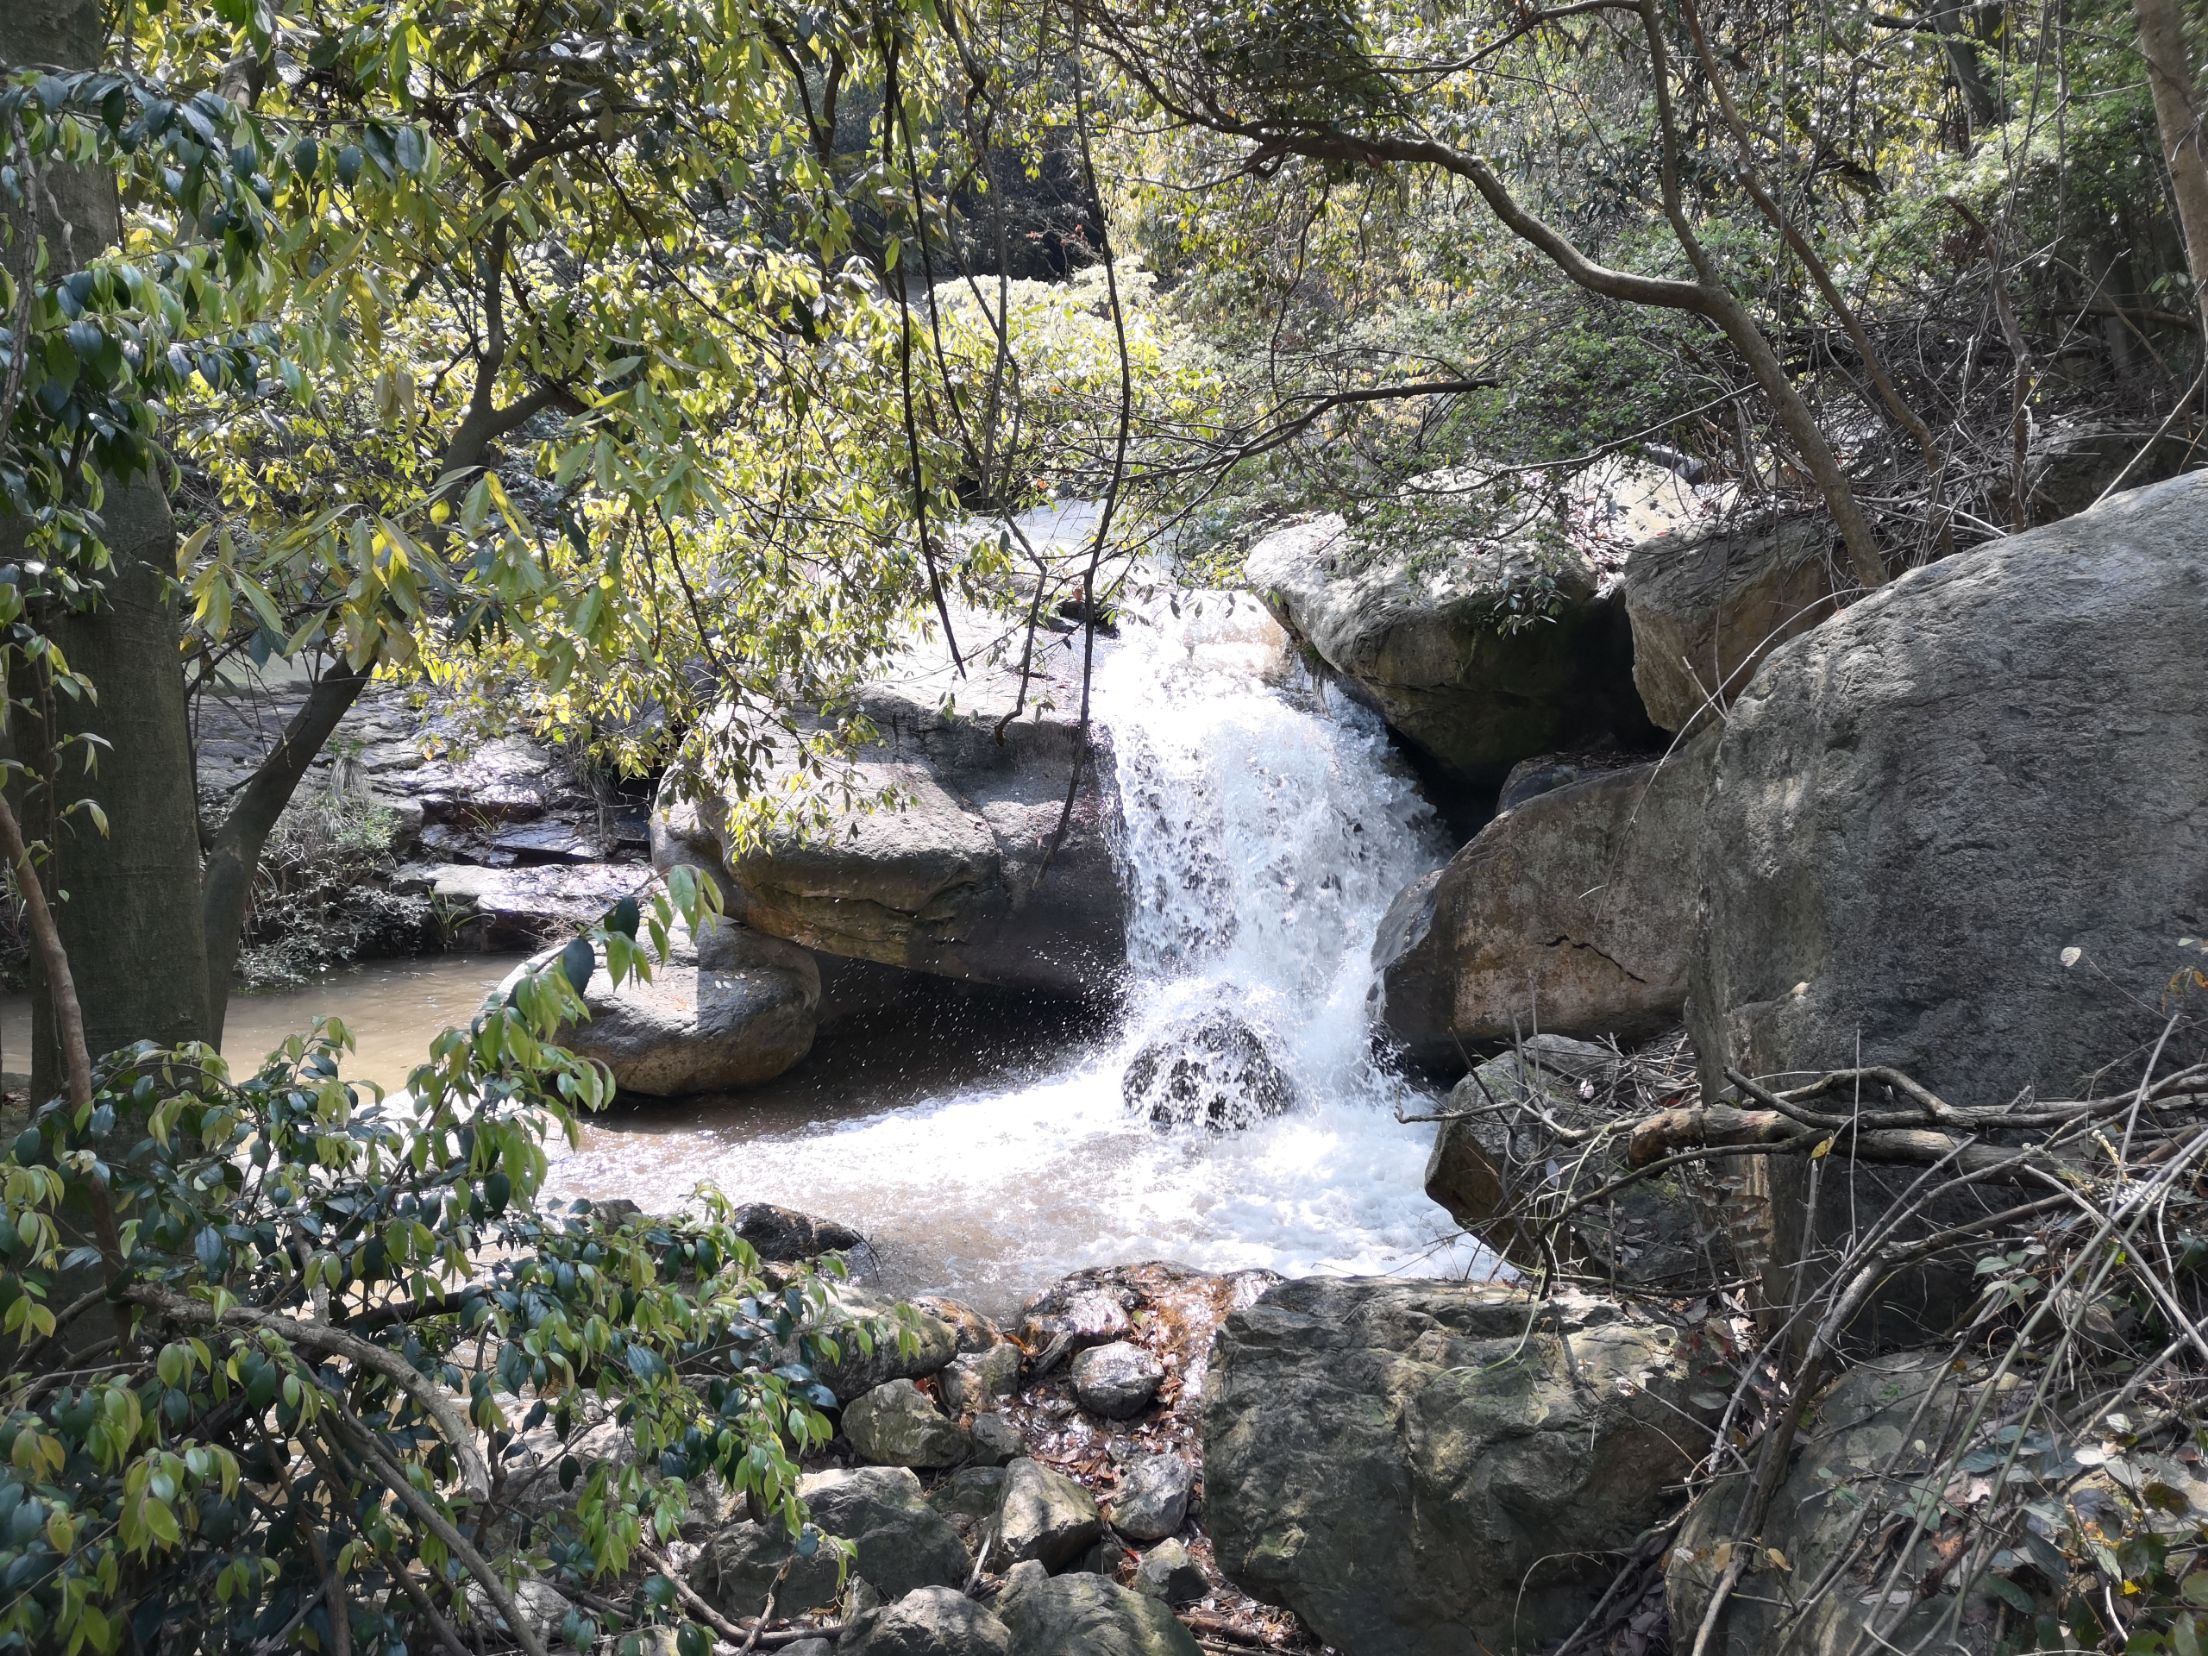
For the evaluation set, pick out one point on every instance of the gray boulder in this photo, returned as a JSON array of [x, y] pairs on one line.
[[728, 1010], [1707, 607], [1085, 1615], [1168, 1572], [1497, 1164], [1116, 1381], [1958, 829], [897, 1424], [901, 1544], [964, 875], [1439, 636], [1212, 1070], [1152, 1500], [1572, 914], [970, 1497], [1420, 1469], [934, 1621], [1046, 1517]]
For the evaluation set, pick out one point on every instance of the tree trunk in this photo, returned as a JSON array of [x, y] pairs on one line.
[[128, 901], [2175, 84]]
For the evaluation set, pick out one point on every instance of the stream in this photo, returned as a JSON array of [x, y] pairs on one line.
[[1265, 830]]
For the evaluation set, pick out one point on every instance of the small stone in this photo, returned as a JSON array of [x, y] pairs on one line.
[[803, 1647], [1076, 1314], [1091, 1616], [1116, 1381], [896, 1425], [859, 1596], [980, 1378], [970, 1496], [1168, 1572], [1046, 1517], [976, 1333], [1152, 1502], [996, 1440]]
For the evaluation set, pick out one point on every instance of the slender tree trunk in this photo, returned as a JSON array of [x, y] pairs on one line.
[[126, 902], [2175, 82]]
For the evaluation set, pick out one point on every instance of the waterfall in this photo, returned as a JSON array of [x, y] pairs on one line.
[[1266, 826]]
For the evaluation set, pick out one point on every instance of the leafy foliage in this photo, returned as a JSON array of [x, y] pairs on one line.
[[327, 892], [281, 1344]]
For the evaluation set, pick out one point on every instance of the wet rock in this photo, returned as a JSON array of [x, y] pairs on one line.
[[1086, 1615], [722, 1013], [1573, 914], [980, 1378], [934, 1621], [1078, 1312], [954, 880], [1116, 1381], [1209, 1071], [1167, 1572], [1152, 1500], [897, 1424], [879, 1340], [1046, 1517], [995, 1440], [1706, 608], [784, 1236], [1498, 1157], [1419, 1468]]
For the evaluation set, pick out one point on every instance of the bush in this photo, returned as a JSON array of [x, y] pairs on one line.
[[326, 894], [279, 1344]]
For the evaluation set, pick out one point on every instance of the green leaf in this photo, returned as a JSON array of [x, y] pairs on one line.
[[578, 960]]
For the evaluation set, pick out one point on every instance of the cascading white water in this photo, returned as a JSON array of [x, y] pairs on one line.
[[1266, 829]]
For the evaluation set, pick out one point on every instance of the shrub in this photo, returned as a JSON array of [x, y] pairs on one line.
[[327, 892], [278, 1343]]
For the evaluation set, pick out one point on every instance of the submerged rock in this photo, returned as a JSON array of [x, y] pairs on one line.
[[1420, 1469], [1573, 914], [1211, 1071]]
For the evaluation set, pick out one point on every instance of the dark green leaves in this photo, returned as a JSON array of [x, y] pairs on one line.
[[578, 960]]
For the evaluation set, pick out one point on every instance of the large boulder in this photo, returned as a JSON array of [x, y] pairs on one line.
[[1443, 640], [1573, 914], [1421, 1469], [1503, 1160], [724, 1011], [1707, 607], [946, 856], [1958, 829], [879, 1339]]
